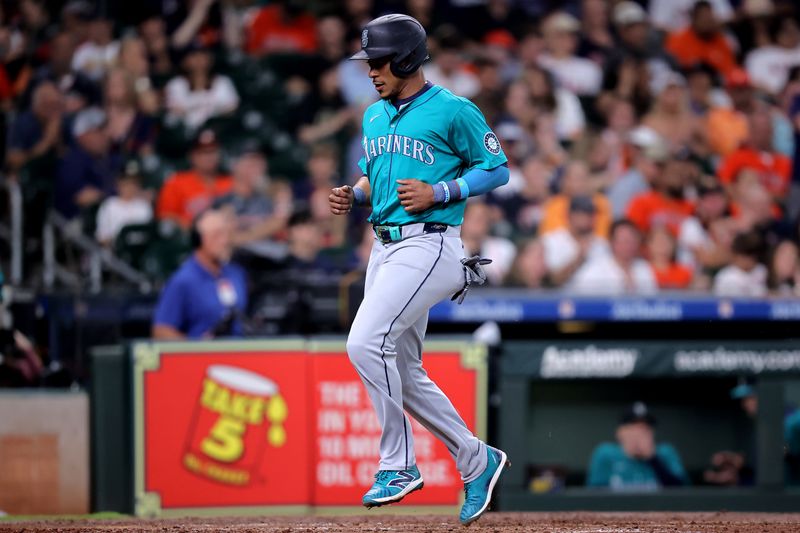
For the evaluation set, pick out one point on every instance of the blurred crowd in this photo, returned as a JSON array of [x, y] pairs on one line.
[[651, 144]]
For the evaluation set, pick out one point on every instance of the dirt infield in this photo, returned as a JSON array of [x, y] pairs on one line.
[[491, 523]]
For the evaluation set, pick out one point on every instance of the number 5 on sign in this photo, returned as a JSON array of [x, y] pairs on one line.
[[224, 443]]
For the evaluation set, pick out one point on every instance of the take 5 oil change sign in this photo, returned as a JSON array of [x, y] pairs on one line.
[[238, 415], [222, 428], [278, 426]]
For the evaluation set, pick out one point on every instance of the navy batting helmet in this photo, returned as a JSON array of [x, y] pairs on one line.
[[397, 36]]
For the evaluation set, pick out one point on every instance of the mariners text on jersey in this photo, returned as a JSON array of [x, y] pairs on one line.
[[435, 137], [398, 144]]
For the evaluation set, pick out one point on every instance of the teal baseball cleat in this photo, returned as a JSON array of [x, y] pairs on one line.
[[478, 492], [391, 486]]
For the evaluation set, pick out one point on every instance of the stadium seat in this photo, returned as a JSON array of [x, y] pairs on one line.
[[132, 242]]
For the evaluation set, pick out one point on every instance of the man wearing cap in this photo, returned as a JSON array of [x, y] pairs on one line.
[[732, 468], [650, 152], [635, 37], [186, 194], [576, 74], [637, 49], [128, 206], [729, 468], [86, 173], [635, 462], [702, 41], [567, 249]]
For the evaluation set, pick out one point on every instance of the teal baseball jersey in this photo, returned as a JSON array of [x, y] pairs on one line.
[[436, 137], [611, 467]]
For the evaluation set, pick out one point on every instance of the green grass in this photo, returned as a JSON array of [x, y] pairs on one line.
[[106, 515]]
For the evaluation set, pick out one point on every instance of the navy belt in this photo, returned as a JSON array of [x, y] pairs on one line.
[[387, 234]]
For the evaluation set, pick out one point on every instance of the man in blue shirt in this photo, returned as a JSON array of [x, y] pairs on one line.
[[635, 462], [207, 296]]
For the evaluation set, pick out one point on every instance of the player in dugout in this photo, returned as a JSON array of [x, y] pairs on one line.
[[636, 462]]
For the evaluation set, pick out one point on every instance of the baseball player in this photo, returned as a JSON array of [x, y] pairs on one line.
[[425, 151]]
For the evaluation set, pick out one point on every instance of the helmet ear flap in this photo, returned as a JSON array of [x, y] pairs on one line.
[[407, 64], [401, 66]]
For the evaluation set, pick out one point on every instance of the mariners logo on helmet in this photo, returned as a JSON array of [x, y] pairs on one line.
[[491, 143], [364, 38]]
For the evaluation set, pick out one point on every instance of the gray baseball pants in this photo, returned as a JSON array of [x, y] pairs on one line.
[[404, 280]]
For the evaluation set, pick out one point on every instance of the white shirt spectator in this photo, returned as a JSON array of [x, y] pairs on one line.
[[570, 119], [502, 252], [116, 213], [196, 107], [692, 235], [561, 248], [603, 276], [671, 15], [769, 66], [94, 60], [578, 75], [460, 83], [734, 282]]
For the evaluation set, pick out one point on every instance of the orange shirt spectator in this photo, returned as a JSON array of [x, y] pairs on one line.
[[728, 127], [556, 212], [689, 49], [653, 208], [673, 277], [661, 248], [187, 194], [774, 169], [726, 130], [274, 29], [702, 42]]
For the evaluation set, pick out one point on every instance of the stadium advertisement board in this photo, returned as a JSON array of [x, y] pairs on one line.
[[277, 426], [500, 306], [623, 359]]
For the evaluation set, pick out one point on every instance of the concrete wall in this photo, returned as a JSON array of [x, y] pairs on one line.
[[44, 452]]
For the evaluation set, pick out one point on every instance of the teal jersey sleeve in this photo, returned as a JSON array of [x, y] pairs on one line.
[[473, 140], [791, 427], [362, 164], [600, 465], [670, 458]]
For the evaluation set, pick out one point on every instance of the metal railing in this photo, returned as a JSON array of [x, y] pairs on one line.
[[13, 231], [57, 229], [99, 258]]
